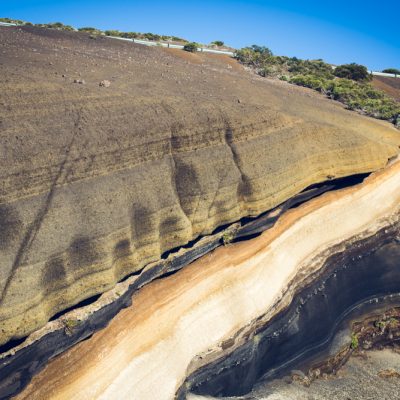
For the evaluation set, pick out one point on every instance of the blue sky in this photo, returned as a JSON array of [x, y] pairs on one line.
[[337, 31]]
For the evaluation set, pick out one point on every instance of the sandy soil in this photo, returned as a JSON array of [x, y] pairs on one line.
[[391, 86]]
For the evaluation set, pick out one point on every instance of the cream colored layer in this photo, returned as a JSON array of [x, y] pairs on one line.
[[146, 350]]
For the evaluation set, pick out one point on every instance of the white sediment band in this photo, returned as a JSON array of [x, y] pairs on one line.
[[148, 349]]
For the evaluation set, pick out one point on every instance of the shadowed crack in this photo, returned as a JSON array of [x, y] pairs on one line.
[[236, 159], [34, 227], [174, 177]]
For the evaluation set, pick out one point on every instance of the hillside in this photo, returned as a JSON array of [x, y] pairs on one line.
[[97, 181], [391, 86]]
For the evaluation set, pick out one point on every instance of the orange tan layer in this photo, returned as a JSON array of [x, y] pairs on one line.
[[147, 350]]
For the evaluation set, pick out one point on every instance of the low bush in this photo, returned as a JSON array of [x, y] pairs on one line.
[[13, 21], [355, 95], [312, 82], [87, 29], [92, 31], [218, 43], [347, 83], [191, 47], [394, 71], [112, 33], [355, 72]]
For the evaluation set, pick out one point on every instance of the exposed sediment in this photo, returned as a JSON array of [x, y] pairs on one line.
[[96, 183], [19, 362], [205, 312], [363, 278]]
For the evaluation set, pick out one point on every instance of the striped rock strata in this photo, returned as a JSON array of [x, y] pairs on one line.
[[184, 322], [95, 182]]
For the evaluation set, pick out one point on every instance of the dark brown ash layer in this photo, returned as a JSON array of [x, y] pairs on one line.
[[354, 282]]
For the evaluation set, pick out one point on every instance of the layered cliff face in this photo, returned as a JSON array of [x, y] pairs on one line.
[[97, 182], [190, 330]]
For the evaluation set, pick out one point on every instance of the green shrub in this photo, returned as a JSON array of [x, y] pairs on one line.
[[394, 71], [355, 95], [228, 237], [70, 325], [178, 39], [263, 50], [13, 21], [130, 35], [309, 67], [355, 72], [59, 26], [266, 71], [152, 36], [354, 341], [218, 43], [112, 33], [255, 55], [312, 82], [87, 29], [191, 47]]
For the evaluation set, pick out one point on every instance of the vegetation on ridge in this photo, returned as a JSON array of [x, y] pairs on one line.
[[394, 71], [95, 31], [347, 83], [191, 47]]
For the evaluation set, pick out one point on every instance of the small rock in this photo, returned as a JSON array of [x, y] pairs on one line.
[[296, 373], [239, 101], [389, 373], [80, 81], [105, 83]]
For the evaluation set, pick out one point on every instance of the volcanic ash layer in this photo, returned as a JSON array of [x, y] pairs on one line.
[[184, 322], [96, 183]]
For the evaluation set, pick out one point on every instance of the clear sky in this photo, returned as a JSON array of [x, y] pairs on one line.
[[338, 31]]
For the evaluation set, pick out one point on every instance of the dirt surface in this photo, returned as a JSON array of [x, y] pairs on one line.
[[220, 61], [98, 181], [391, 86], [375, 376]]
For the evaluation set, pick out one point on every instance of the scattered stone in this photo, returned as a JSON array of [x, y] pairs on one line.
[[239, 101], [389, 373], [105, 83], [80, 81], [298, 376]]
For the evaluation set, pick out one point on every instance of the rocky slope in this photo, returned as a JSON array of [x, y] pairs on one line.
[[97, 182], [185, 323], [370, 376]]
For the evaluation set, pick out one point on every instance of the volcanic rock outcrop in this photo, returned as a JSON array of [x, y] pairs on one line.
[[184, 323], [95, 184]]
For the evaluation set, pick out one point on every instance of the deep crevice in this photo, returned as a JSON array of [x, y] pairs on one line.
[[83, 303], [11, 344]]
